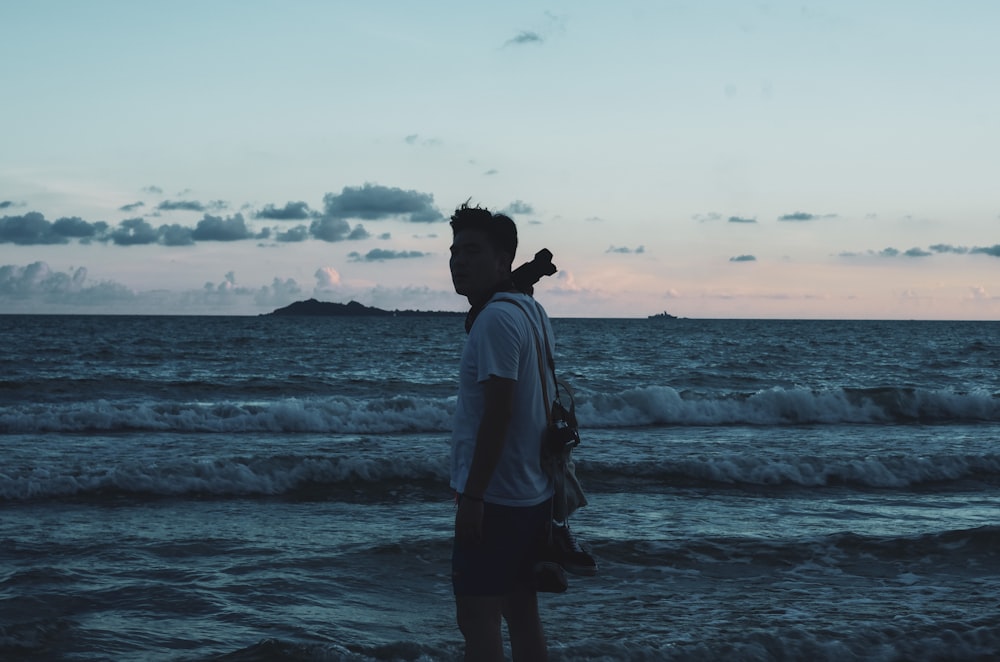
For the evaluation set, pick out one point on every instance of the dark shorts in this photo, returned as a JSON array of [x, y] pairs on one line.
[[512, 539]]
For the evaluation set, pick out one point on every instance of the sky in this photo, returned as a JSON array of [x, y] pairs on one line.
[[712, 159]]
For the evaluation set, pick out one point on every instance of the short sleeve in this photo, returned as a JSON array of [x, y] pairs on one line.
[[497, 338]]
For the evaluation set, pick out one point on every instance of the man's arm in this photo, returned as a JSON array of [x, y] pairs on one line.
[[499, 408], [490, 437]]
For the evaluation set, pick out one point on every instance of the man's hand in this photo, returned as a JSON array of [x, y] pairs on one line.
[[469, 521]]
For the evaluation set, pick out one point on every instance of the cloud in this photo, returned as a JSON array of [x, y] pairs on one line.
[[33, 229], [415, 139], [798, 216], [979, 293], [804, 216], [553, 24], [625, 250], [175, 235], [138, 232], [381, 255], [993, 251], [228, 294], [913, 252], [705, 218], [37, 288], [155, 190], [6, 204], [131, 207], [743, 258], [191, 205], [28, 229], [296, 234], [891, 252], [278, 294], [75, 227], [336, 229], [135, 232], [327, 278], [947, 248], [216, 228], [525, 37], [491, 172], [372, 202], [36, 278], [37, 281], [518, 207], [181, 205], [292, 211], [740, 219]]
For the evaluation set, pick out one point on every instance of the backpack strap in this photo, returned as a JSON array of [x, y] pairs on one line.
[[538, 353], [557, 383], [559, 466]]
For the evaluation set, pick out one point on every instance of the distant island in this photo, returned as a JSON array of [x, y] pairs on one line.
[[314, 308]]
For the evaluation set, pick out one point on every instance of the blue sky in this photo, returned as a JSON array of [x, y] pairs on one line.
[[713, 159]]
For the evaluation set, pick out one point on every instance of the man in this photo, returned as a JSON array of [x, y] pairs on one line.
[[504, 495]]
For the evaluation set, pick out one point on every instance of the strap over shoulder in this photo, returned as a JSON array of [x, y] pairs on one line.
[[559, 384], [562, 425]]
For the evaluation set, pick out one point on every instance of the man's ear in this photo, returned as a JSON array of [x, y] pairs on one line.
[[505, 263]]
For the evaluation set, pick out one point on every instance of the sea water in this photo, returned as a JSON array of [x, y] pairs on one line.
[[267, 488]]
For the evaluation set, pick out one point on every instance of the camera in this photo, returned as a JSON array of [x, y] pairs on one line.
[[529, 273]]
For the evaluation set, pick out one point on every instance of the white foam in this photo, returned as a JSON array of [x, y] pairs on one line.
[[220, 477], [654, 405]]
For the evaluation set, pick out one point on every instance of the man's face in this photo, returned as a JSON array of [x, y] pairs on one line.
[[475, 266]]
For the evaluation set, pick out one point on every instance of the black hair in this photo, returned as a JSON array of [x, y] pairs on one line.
[[499, 228]]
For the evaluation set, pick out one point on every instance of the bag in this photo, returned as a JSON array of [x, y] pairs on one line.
[[561, 436]]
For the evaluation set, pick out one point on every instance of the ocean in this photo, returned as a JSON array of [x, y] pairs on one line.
[[275, 488]]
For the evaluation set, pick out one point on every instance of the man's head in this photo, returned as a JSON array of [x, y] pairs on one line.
[[482, 250]]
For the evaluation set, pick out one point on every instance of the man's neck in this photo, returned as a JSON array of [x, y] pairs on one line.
[[478, 300]]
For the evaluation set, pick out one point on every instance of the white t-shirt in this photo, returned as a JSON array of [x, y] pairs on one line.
[[502, 343]]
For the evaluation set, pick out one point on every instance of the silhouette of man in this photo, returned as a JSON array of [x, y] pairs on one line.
[[504, 496]]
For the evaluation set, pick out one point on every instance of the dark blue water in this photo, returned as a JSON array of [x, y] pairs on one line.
[[271, 488]]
